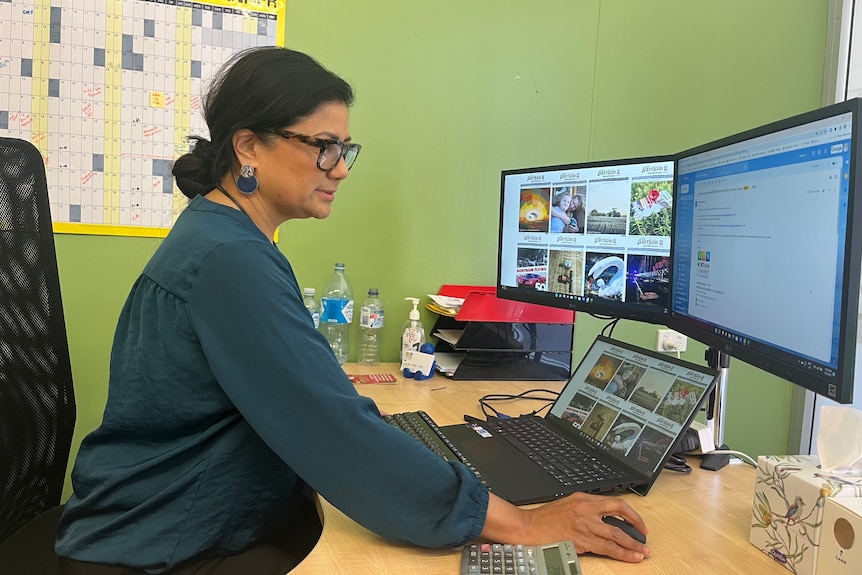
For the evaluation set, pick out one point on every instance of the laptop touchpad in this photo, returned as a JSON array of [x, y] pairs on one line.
[[508, 469]]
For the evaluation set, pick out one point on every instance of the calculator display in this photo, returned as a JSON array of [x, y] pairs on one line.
[[553, 561]]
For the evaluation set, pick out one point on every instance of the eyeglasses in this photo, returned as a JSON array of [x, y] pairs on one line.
[[331, 151]]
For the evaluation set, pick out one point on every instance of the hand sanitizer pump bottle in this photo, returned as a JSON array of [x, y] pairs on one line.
[[412, 332]]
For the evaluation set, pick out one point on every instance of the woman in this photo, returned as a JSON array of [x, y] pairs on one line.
[[568, 217], [622, 382], [225, 403], [559, 212], [577, 214]]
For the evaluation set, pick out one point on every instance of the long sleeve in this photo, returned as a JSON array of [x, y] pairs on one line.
[[284, 380], [223, 402]]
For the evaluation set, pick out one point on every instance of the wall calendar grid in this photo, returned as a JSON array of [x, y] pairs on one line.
[[110, 91]]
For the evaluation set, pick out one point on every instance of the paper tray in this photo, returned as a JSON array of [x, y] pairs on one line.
[[482, 304]]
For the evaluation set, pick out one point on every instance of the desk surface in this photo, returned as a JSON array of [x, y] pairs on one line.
[[699, 522]]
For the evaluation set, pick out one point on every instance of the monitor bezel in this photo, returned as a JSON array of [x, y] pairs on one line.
[[601, 308], [779, 364]]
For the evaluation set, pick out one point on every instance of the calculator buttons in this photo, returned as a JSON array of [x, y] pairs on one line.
[[500, 559]]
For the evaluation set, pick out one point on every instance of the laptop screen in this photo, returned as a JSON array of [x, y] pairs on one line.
[[632, 403]]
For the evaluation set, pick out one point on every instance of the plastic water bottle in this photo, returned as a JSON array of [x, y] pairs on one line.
[[370, 324], [337, 313], [310, 301]]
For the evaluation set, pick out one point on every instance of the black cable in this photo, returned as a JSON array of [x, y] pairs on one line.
[[544, 407], [484, 400], [678, 464], [608, 329]]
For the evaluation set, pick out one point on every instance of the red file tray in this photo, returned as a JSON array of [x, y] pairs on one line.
[[505, 340], [462, 291], [482, 304]]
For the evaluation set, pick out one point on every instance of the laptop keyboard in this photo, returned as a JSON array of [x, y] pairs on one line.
[[568, 463], [421, 427]]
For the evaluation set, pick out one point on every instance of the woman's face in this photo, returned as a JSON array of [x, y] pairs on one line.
[[576, 202], [565, 201], [290, 183]]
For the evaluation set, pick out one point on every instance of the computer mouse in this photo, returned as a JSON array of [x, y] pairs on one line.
[[627, 527]]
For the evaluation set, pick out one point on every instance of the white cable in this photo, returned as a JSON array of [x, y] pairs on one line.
[[740, 455]]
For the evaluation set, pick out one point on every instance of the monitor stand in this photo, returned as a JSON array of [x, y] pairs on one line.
[[715, 410]]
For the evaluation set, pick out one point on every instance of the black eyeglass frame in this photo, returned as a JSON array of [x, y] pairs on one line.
[[345, 150]]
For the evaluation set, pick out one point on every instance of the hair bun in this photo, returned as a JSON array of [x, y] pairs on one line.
[[203, 148]]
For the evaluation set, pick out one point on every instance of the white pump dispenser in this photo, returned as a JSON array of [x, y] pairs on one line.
[[412, 332]]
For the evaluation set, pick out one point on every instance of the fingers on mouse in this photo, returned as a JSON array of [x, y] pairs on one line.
[[625, 526]]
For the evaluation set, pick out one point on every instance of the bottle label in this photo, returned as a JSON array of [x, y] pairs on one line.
[[370, 317], [412, 339], [315, 317], [337, 310]]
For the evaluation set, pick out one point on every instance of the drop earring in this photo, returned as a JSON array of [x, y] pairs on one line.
[[246, 182]]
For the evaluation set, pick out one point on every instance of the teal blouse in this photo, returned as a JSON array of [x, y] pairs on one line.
[[224, 401]]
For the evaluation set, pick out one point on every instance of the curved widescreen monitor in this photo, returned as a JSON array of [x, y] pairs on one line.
[[591, 237], [766, 247]]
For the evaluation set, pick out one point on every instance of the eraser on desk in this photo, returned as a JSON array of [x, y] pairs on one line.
[[372, 378]]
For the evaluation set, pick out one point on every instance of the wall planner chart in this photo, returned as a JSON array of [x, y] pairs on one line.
[[110, 91]]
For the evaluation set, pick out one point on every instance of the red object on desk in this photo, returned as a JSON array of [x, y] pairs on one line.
[[482, 304], [372, 378]]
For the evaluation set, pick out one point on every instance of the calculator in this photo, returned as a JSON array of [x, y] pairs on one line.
[[499, 559]]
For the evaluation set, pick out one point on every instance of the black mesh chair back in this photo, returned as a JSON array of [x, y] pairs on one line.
[[37, 402]]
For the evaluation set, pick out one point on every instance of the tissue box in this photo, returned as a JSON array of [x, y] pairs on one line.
[[789, 495], [841, 538]]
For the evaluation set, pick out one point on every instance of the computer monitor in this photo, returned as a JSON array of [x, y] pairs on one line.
[[766, 247], [592, 237]]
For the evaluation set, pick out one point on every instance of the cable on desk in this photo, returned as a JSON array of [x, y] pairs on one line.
[[528, 394], [738, 454], [677, 463]]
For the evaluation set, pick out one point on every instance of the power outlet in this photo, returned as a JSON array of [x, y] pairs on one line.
[[670, 340]]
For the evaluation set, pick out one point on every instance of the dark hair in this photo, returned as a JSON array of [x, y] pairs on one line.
[[258, 89]]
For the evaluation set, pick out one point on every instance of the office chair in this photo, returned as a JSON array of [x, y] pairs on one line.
[[37, 403]]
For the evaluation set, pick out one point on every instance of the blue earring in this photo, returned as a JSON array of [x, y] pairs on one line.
[[246, 182]]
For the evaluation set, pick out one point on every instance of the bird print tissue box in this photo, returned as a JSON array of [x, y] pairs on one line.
[[789, 495], [841, 543]]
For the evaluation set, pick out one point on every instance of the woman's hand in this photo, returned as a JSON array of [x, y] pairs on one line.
[[577, 517]]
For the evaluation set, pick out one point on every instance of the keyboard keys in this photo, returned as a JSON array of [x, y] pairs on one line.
[[421, 427], [566, 462], [570, 465]]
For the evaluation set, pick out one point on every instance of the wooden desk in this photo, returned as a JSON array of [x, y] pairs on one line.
[[699, 522]]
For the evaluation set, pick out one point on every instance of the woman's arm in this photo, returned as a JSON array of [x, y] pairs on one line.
[[569, 221]]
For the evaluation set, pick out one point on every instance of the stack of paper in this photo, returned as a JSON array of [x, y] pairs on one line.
[[444, 305], [450, 336], [447, 363]]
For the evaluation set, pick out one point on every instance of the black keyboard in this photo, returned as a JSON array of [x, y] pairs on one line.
[[421, 427], [567, 462]]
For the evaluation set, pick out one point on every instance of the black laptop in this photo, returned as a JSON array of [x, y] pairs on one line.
[[612, 428]]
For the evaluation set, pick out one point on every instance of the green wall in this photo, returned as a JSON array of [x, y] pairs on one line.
[[450, 93]]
